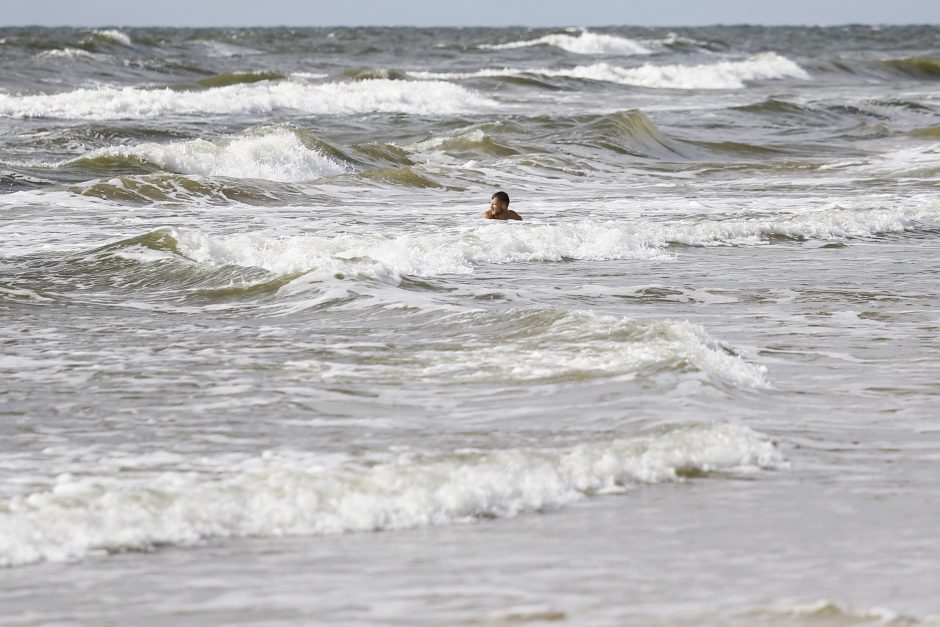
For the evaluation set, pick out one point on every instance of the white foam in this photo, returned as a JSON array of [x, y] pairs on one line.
[[305, 493], [272, 154], [585, 43], [115, 36], [722, 75], [832, 222], [475, 135], [22, 293], [458, 250], [418, 253], [310, 75], [375, 95], [922, 161], [65, 53]]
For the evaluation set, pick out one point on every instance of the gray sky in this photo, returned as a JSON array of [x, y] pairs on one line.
[[464, 12]]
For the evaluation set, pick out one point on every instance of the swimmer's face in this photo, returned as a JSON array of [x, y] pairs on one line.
[[496, 206]]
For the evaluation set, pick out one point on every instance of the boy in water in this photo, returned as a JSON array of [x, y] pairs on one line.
[[499, 208]]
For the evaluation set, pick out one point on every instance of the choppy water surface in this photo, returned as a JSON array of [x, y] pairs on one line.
[[263, 362]]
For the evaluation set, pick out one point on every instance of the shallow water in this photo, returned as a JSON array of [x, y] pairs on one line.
[[263, 363]]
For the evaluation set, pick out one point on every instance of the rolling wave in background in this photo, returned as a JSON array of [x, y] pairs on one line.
[[128, 103]]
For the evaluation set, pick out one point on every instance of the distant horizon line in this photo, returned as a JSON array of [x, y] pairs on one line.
[[503, 27]]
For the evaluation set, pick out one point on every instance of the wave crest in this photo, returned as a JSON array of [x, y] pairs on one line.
[[388, 257], [632, 133], [304, 493], [270, 154], [115, 36], [916, 67], [65, 53], [265, 97], [586, 43], [722, 75], [534, 345]]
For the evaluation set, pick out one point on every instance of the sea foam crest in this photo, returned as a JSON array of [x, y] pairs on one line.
[[274, 155], [585, 43], [65, 53], [832, 222], [129, 103], [305, 493], [115, 35], [458, 250], [387, 257], [722, 75]]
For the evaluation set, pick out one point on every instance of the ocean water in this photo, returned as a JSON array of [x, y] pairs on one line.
[[263, 363]]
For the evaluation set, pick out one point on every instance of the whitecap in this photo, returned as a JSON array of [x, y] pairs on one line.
[[459, 250], [586, 43], [387, 257], [721, 75], [65, 53], [116, 36], [294, 493], [130, 103], [270, 154]]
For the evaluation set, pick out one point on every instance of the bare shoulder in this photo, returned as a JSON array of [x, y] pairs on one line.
[[513, 215]]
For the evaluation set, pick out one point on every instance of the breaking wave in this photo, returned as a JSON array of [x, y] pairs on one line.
[[270, 154], [722, 75], [585, 43], [265, 97], [175, 500], [535, 345], [115, 36], [388, 257], [65, 53]]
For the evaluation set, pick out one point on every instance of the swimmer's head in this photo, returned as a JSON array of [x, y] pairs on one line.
[[499, 202], [502, 197]]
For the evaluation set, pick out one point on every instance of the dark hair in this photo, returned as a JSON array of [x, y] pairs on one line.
[[501, 197]]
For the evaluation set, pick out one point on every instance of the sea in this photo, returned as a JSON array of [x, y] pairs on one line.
[[262, 361]]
